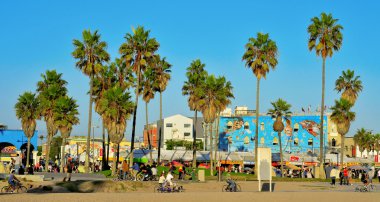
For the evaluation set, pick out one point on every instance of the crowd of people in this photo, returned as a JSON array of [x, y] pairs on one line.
[[345, 175]]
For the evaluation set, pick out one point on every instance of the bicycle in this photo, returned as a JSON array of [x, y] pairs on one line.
[[365, 188], [227, 188], [19, 188]]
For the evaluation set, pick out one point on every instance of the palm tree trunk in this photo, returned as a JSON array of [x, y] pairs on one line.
[[103, 147], [194, 140], [281, 158], [47, 151], [160, 132], [108, 149], [28, 153], [63, 154], [148, 133], [89, 128], [257, 120], [341, 151], [321, 144], [114, 163], [118, 154], [134, 118], [216, 141], [211, 160]]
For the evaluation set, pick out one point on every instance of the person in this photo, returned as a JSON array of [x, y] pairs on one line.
[[154, 172], [125, 168], [333, 175], [135, 170], [31, 170], [17, 163], [180, 174], [371, 173], [161, 181], [341, 177], [11, 180], [169, 178], [378, 174], [69, 170], [230, 182], [345, 176]]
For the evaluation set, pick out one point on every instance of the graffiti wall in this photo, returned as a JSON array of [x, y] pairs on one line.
[[301, 134]]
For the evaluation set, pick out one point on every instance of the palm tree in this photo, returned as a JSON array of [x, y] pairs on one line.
[[361, 138], [342, 117], [376, 141], [90, 54], [50, 89], [148, 94], [260, 56], [162, 77], [115, 108], [325, 38], [280, 111], [196, 76], [137, 51], [216, 96], [27, 110], [350, 85], [65, 115]]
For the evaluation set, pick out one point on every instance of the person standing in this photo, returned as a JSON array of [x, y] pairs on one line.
[[333, 175], [135, 170], [69, 170], [378, 174], [17, 163], [125, 169], [345, 176], [371, 173]]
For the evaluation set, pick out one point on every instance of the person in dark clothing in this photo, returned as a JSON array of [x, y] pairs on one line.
[[341, 177], [69, 170], [30, 170]]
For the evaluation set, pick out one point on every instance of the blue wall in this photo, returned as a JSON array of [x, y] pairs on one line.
[[17, 138], [237, 134]]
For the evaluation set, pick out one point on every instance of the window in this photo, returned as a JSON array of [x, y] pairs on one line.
[[310, 142], [186, 134], [186, 125], [296, 142], [169, 125], [333, 142], [275, 141]]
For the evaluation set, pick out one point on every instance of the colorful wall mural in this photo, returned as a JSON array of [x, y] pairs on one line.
[[301, 134]]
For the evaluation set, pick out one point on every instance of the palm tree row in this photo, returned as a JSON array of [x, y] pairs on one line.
[[51, 103], [366, 140]]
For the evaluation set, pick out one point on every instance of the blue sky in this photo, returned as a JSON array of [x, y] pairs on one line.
[[36, 36]]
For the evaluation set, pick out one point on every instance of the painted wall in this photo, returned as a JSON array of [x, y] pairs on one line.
[[17, 138], [238, 133]]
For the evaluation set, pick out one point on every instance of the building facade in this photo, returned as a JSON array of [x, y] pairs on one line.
[[13, 142]]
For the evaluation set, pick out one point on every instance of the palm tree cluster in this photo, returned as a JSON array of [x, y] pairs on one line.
[[139, 66], [342, 116], [52, 104], [366, 140], [208, 94]]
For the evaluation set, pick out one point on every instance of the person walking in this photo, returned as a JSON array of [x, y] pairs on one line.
[[378, 174], [125, 169], [333, 174], [341, 177], [345, 176], [69, 170]]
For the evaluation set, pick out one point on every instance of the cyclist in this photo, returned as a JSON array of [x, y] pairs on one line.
[[12, 179], [230, 182]]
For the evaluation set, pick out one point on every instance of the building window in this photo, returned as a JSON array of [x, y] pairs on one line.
[[169, 125], [186, 125], [229, 125], [310, 142], [333, 142], [296, 142], [186, 134], [275, 141]]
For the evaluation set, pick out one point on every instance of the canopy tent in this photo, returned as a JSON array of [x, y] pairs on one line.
[[357, 167], [291, 166]]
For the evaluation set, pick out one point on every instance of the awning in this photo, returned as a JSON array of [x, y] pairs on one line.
[[291, 166]]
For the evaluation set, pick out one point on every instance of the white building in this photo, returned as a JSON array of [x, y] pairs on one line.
[[176, 127]]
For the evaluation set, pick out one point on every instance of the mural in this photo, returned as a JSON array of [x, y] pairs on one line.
[[301, 134]]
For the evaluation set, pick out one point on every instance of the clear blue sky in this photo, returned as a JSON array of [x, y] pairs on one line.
[[37, 35]]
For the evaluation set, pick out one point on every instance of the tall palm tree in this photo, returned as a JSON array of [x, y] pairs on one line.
[[137, 51], [148, 94], [162, 77], [260, 56], [27, 110], [342, 117], [350, 84], [90, 54], [196, 76], [325, 38], [280, 111], [361, 137], [115, 108], [50, 89], [216, 96], [65, 114], [376, 141]]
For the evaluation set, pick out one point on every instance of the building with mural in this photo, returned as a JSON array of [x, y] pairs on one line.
[[300, 136], [13, 142]]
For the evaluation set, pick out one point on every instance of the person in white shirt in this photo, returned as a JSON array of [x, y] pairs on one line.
[[169, 178], [378, 174]]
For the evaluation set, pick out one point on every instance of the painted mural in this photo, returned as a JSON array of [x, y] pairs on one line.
[[301, 134]]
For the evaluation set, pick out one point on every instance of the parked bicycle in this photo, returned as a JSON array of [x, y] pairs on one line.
[[19, 188]]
